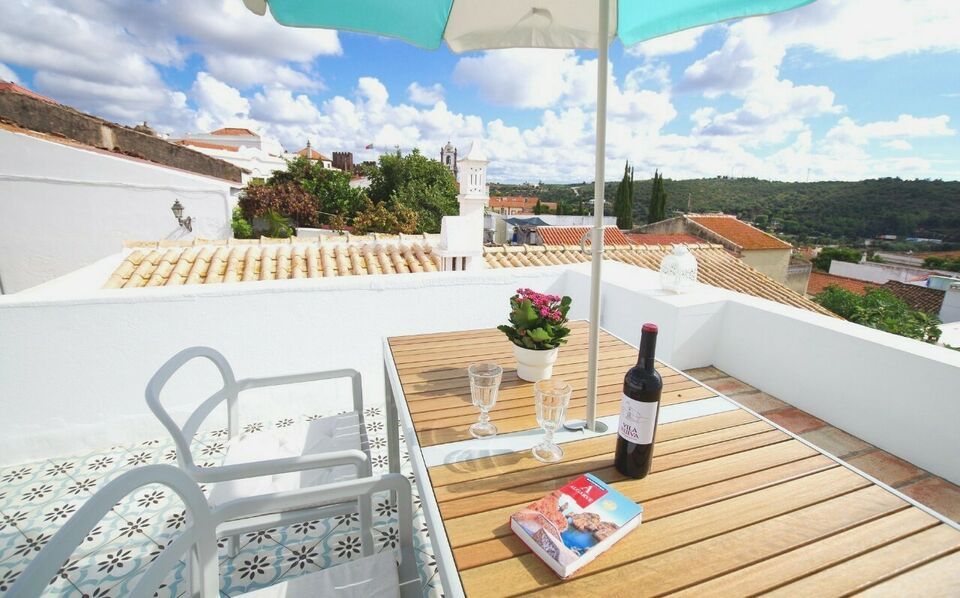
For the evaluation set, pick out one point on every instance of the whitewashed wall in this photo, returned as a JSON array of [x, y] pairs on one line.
[[72, 372], [62, 207], [874, 272]]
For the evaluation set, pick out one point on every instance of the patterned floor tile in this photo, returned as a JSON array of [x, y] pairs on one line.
[[36, 498]]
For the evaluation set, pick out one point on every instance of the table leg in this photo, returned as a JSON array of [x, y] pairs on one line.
[[393, 423]]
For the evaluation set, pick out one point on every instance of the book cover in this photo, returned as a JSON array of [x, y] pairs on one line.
[[571, 526]]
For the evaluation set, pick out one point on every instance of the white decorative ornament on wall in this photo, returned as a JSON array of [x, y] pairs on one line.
[[678, 270]]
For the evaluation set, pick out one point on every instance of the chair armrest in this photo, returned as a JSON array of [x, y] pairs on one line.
[[256, 469], [319, 495], [354, 375]]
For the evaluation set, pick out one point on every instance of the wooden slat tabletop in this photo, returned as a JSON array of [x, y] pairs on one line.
[[733, 505]]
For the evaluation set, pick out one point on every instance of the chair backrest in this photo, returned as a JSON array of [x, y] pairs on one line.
[[198, 537], [228, 392]]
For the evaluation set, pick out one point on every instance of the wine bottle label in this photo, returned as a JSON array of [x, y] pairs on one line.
[[637, 420]]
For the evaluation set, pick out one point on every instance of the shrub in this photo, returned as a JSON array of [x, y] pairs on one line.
[[242, 229], [882, 310]]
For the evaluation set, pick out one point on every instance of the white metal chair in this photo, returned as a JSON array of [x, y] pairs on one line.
[[376, 576], [265, 463]]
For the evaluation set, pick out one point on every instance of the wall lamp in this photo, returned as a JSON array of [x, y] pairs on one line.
[[177, 209]]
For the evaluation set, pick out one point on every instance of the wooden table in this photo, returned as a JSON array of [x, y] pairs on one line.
[[734, 504]]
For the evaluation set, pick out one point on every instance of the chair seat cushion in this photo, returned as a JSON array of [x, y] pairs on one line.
[[369, 577], [324, 435]]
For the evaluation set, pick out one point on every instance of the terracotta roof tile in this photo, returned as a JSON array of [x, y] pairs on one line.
[[206, 144], [523, 203], [654, 239], [716, 267], [921, 298], [821, 280], [571, 235], [234, 132], [14, 88], [738, 232], [314, 155], [172, 263]]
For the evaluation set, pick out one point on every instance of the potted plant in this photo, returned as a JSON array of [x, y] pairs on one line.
[[537, 329]]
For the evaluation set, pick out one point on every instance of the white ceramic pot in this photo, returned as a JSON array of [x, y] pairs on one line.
[[534, 366]]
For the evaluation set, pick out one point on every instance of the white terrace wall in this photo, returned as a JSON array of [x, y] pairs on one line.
[[63, 207], [73, 372], [899, 394]]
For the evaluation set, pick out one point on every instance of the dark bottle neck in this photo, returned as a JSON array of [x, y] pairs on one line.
[[648, 348]]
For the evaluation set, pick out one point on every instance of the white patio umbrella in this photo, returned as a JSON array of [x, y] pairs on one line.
[[492, 24]]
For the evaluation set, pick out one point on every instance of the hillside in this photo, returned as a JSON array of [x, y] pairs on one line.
[[828, 211]]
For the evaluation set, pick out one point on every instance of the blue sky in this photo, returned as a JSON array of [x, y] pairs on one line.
[[840, 89]]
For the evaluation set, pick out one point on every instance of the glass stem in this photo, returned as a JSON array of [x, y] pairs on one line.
[[548, 439], [484, 418]]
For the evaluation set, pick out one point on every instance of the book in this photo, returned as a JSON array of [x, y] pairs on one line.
[[571, 526]]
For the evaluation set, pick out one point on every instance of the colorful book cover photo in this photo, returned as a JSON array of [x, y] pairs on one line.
[[570, 526]]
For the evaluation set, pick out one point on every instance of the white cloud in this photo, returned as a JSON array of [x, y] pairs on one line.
[[871, 29], [425, 95], [522, 78], [898, 144], [7, 74], [675, 43], [849, 132]]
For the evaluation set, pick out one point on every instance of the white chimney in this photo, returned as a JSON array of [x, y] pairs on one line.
[[461, 237]]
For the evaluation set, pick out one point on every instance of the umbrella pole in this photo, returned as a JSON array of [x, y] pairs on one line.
[[596, 260]]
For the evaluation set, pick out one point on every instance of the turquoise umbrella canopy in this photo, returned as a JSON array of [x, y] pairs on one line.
[[485, 24], [492, 24]]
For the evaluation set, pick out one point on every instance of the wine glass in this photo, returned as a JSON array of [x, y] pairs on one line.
[[484, 385], [553, 397]]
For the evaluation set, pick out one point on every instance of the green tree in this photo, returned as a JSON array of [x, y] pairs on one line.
[[882, 310], [623, 205], [417, 182], [538, 209], [242, 229], [841, 254], [384, 218], [305, 194], [658, 200]]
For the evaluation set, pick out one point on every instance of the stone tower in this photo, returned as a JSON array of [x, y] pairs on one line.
[[448, 156]]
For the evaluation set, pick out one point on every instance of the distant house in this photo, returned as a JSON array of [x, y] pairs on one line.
[[512, 205], [314, 156], [759, 249], [260, 157], [917, 297]]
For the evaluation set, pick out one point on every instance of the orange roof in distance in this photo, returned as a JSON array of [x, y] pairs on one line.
[[571, 235], [13, 87], [645, 239], [207, 145], [738, 232], [314, 155], [821, 280], [234, 132]]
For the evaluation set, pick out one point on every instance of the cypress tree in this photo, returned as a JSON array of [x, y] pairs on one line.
[[623, 205], [658, 200]]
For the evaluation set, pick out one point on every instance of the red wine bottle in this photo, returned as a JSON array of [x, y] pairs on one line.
[[639, 407]]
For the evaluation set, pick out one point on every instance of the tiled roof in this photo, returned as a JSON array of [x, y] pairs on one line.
[[169, 263], [524, 203], [14, 88], [234, 132], [314, 154], [917, 297], [654, 239], [716, 267], [571, 235], [173, 263], [207, 145], [738, 232], [821, 280]]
